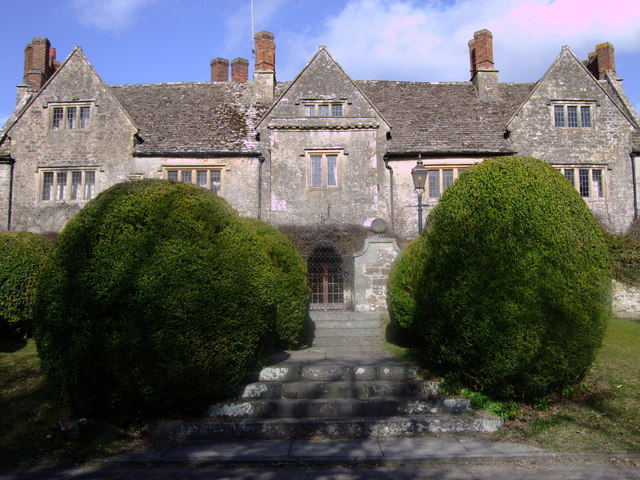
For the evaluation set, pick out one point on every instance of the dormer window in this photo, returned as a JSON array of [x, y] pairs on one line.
[[323, 109]]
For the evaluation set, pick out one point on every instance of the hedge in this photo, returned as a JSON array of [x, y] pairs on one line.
[[404, 278], [23, 257], [290, 288], [158, 300], [515, 291]]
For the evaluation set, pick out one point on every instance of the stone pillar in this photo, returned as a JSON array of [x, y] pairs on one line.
[[371, 273]]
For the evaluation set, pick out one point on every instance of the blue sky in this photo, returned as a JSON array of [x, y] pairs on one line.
[[151, 41]]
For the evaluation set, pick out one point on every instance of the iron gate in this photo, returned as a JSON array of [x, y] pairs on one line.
[[326, 277]]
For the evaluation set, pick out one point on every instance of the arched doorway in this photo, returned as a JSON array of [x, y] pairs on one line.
[[326, 278]]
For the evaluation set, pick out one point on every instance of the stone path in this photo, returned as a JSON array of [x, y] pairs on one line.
[[373, 451]]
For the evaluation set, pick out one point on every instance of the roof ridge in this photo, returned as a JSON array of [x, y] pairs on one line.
[[124, 85]]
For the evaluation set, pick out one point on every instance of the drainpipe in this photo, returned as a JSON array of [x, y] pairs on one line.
[[390, 168], [9, 161], [635, 188], [261, 160]]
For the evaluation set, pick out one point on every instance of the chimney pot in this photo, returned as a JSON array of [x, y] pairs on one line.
[[483, 49], [265, 52], [37, 63], [483, 73], [239, 70], [219, 70], [606, 60], [264, 76]]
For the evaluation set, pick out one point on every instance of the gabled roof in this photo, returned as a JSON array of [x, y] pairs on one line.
[[192, 117], [24, 105], [605, 87], [613, 88], [333, 75], [445, 118]]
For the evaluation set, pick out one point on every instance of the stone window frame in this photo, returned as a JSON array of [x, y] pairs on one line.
[[180, 173], [60, 117], [326, 108], [434, 194], [565, 107], [593, 188], [67, 184], [325, 177]]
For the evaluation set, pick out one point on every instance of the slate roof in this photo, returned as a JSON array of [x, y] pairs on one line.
[[202, 117], [444, 118], [192, 117]]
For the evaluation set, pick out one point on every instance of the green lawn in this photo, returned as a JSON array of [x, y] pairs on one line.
[[30, 416]]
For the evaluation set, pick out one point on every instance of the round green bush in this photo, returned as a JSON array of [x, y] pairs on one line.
[[156, 302], [516, 284], [404, 278], [23, 257], [290, 289]]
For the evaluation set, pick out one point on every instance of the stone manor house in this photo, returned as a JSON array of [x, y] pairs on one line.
[[323, 149]]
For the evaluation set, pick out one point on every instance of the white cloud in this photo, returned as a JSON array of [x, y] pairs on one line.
[[427, 40], [108, 15]]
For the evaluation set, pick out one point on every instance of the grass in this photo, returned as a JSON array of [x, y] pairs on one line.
[[29, 423], [600, 415]]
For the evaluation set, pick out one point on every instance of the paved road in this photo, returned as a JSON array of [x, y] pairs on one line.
[[524, 470], [448, 458]]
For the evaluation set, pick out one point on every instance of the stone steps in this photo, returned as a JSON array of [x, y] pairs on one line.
[[349, 389], [337, 407], [346, 324], [319, 390], [332, 329], [368, 341], [333, 428]]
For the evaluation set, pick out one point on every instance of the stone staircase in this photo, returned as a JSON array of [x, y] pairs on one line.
[[345, 385]]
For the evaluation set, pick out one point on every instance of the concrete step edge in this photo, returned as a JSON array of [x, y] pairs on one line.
[[341, 389], [337, 407], [335, 428], [297, 372]]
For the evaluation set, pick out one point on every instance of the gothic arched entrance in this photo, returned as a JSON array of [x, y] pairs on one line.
[[326, 278]]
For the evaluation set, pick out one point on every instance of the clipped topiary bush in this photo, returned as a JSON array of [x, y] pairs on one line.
[[290, 289], [23, 257], [156, 302], [402, 285], [516, 284]]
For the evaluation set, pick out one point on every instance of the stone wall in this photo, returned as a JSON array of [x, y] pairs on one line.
[[104, 147], [626, 300]]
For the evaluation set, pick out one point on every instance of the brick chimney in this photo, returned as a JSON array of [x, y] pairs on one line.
[[219, 70], [264, 77], [483, 74], [38, 63], [53, 63], [239, 70], [602, 61]]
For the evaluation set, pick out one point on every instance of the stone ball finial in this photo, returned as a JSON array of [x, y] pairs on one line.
[[379, 225]]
